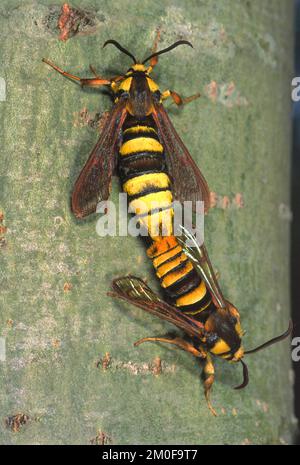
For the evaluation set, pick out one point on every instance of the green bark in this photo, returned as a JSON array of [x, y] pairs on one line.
[[240, 138]]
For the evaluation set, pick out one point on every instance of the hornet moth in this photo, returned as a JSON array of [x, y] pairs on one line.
[[217, 332], [137, 140]]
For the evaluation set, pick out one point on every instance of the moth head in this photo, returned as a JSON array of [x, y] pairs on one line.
[[225, 339], [225, 334]]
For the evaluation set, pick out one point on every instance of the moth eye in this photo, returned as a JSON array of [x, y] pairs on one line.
[[123, 94], [211, 339]]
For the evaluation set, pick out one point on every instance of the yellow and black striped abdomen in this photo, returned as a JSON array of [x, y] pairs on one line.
[[144, 178], [178, 278]]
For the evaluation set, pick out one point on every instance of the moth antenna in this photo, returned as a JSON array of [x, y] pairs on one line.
[[165, 50], [119, 47], [245, 376], [276, 339]]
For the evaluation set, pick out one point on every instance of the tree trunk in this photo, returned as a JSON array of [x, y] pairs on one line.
[[56, 320]]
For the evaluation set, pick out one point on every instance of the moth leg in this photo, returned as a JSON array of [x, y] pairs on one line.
[[93, 70], [112, 80], [209, 377], [176, 341], [177, 98], [90, 82], [154, 60]]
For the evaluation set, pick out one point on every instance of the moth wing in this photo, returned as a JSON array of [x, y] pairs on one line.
[[188, 183], [134, 290], [94, 181], [200, 259]]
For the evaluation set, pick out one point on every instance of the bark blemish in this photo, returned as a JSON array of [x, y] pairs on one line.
[[224, 202], [3, 231], [101, 439], [156, 367], [67, 287], [225, 94], [15, 422], [85, 118], [74, 21], [104, 362]]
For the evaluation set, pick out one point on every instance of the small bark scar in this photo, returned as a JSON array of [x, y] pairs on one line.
[[224, 202]]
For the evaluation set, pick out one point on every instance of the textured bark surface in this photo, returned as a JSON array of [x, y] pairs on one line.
[[55, 271]]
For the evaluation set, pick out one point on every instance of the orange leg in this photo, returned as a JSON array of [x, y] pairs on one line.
[[176, 341], [209, 371], [112, 80], [91, 82], [209, 377], [154, 60], [177, 99]]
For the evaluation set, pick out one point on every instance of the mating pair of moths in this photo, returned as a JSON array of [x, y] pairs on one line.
[[139, 142]]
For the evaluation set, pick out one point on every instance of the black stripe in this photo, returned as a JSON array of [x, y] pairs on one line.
[[183, 285], [162, 253], [135, 174], [202, 316], [169, 259], [136, 134], [196, 305], [141, 163], [176, 268], [193, 283], [137, 156], [132, 121], [149, 190]]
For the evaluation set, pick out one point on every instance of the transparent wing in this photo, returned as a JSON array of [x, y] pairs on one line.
[[137, 292], [200, 259]]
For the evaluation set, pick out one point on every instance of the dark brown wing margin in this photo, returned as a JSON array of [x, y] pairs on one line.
[[135, 291], [188, 183], [94, 181]]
